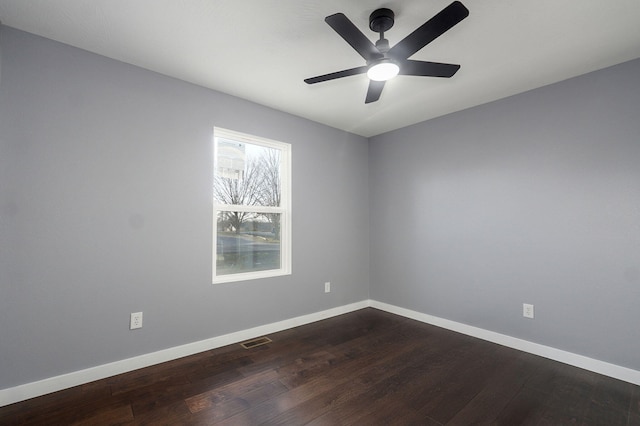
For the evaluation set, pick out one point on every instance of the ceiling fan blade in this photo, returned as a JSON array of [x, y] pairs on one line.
[[352, 35], [374, 92], [429, 31], [337, 74], [427, 69]]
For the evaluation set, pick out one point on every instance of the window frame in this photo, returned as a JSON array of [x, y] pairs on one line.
[[284, 209]]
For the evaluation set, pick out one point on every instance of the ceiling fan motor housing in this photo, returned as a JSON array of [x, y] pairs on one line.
[[382, 45]]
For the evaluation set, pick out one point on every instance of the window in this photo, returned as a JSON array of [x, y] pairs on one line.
[[251, 207]]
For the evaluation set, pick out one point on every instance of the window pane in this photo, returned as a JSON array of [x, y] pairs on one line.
[[246, 174], [247, 242]]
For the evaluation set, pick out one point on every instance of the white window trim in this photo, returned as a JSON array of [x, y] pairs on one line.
[[284, 209]]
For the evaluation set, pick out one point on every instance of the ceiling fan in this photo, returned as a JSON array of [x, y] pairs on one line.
[[384, 62]]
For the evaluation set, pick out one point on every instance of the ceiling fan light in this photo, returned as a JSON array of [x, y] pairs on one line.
[[383, 71]]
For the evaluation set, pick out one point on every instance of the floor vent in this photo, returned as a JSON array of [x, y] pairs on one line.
[[255, 342]]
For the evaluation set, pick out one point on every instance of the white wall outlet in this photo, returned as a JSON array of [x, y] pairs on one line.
[[527, 310], [136, 321], [327, 287]]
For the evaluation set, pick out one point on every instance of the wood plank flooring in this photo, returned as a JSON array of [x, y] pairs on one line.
[[364, 368]]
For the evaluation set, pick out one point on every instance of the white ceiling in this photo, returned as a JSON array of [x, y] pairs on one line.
[[261, 50]]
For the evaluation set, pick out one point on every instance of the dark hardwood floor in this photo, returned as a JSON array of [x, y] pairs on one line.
[[363, 368]]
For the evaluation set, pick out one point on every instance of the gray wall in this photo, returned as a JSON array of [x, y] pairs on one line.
[[534, 199], [105, 209]]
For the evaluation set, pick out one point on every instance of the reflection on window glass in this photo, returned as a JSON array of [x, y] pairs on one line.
[[247, 242]]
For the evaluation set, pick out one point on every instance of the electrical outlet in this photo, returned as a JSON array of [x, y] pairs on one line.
[[136, 321], [527, 310], [327, 287]]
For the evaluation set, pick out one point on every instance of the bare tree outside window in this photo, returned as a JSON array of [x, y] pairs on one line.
[[271, 187], [243, 190]]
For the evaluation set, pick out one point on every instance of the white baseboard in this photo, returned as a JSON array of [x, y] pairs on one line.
[[65, 381], [600, 367]]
